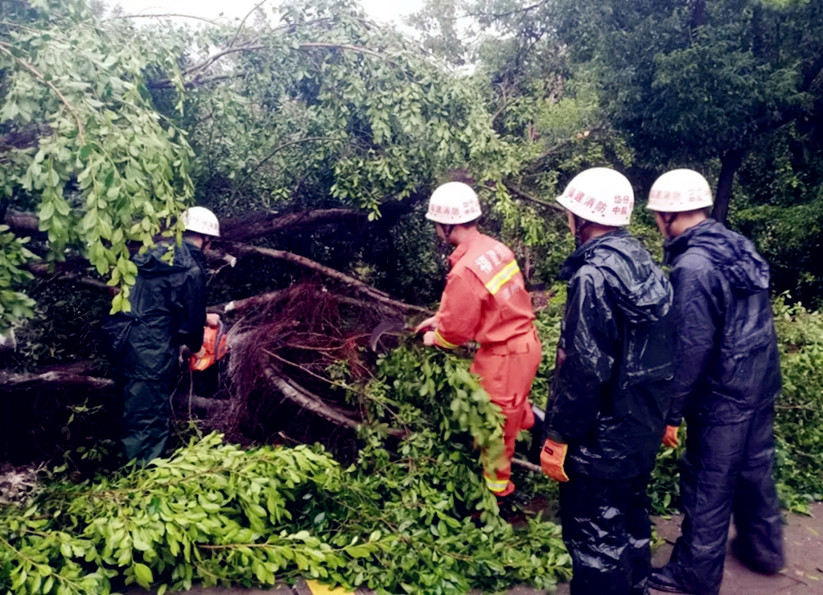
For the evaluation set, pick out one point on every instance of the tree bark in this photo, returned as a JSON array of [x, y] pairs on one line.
[[237, 229], [265, 299], [42, 270], [728, 167], [240, 229], [60, 378], [363, 288], [526, 196], [311, 402], [527, 466], [194, 404], [27, 222]]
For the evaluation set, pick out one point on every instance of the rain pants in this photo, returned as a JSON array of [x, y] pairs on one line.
[[726, 384], [608, 403], [485, 300], [168, 309]]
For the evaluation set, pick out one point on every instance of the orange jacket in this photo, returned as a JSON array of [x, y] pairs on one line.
[[485, 298]]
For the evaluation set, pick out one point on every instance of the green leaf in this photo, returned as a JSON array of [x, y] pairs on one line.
[[143, 575]]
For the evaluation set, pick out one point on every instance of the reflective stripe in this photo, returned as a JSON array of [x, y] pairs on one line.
[[442, 342], [504, 276], [496, 485]]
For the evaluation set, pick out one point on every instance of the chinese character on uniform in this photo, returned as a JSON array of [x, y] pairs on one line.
[[484, 265]]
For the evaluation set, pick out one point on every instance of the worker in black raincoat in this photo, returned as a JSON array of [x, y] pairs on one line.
[[168, 309], [726, 382], [605, 416]]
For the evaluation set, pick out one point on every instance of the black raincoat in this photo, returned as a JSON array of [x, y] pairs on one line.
[[726, 383], [608, 402], [168, 309]]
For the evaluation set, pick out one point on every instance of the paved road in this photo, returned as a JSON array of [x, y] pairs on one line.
[[803, 574]]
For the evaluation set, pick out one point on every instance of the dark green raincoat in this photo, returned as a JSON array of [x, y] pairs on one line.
[[168, 309]]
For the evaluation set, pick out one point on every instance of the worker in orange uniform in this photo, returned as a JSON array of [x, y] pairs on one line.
[[485, 300]]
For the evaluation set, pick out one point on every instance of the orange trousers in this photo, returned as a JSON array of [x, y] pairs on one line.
[[506, 372]]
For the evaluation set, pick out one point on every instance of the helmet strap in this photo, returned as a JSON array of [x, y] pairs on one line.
[[447, 231], [668, 220], [579, 225]]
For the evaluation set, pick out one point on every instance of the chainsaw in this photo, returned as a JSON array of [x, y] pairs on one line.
[[215, 346]]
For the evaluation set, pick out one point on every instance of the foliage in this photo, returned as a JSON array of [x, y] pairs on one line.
[[781, 207], [416, 518], [61, 327], [14, 304], [648, 86], [84, 145], [322, 107], [799, 424]]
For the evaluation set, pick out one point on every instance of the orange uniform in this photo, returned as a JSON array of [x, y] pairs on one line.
[[485, 300]]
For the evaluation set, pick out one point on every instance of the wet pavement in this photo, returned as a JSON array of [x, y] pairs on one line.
[[803, 575]]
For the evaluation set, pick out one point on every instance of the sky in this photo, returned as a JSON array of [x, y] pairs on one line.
[[379, 10]]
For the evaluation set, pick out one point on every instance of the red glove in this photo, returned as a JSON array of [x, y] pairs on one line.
[[670, 438], [552, 458]]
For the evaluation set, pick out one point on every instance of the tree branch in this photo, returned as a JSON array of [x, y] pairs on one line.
[[262, 224], [243, 22], [163, 16], [39, 76], [12, 381], [42, 270], [276, 150], [265, 299], [27, 222], [527, 466], [526, 196], [500, 15], [24, 139], [311, 402], [355, 284], [165, 83]]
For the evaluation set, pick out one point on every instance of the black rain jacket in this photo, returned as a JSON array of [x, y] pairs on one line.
[[610, 389], [168, 309], [728, 362]]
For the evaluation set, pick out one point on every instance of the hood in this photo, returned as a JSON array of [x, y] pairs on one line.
[[153, 263], [730, 252], [639, 287]]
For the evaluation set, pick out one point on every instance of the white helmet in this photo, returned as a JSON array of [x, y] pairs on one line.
[[600, 195], [201, 220], [453, 203], [680, 190]]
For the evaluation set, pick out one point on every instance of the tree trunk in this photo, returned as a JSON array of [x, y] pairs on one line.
[[728, 167], [364, 289], [53, 380], [257, 225]]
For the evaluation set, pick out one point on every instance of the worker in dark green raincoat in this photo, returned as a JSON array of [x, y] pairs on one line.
[[605, 415], [726, 382], [168, 310]]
